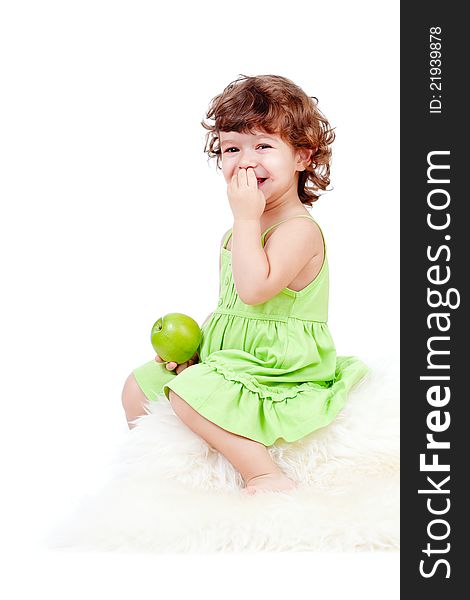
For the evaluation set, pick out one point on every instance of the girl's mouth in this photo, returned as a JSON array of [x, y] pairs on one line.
[[261, 180]]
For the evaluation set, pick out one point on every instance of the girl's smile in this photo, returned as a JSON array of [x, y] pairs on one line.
[[275, 163]]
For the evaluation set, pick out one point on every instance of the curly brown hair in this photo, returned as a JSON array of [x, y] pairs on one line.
[[275, 105]]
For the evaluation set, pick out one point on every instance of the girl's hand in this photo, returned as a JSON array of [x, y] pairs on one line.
[[247, 201], [171, 365]]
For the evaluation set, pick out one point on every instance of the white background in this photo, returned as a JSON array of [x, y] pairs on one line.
[[111, 217]]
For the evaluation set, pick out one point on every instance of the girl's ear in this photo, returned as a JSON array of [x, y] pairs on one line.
[[304, 158]]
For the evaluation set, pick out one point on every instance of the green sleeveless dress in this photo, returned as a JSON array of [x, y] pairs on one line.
[[267, 371]]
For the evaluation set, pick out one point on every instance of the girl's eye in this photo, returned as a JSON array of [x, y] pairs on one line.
[[233, 148]]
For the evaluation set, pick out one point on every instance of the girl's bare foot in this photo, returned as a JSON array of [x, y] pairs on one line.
[[269, 482]]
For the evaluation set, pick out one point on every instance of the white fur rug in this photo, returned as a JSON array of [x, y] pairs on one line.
[[169, 492]]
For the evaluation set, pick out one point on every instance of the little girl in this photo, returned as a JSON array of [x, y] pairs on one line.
[[266, 368]]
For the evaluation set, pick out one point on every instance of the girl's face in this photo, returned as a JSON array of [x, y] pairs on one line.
[[276, 163]]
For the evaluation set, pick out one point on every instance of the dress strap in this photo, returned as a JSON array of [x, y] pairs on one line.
[[227, 237], [229, 233], [288, 219]]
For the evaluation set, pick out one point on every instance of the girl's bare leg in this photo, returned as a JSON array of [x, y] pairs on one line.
[[250, 458], [133, 400]]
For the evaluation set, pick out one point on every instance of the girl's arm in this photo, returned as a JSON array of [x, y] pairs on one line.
[[261, 273], [250, 266]]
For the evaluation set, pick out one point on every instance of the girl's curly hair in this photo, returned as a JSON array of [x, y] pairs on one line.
[[276, 105]]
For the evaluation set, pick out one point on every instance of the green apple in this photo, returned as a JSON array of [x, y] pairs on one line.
[[175, 337]]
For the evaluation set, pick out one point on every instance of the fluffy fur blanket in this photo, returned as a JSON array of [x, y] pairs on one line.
[[169, 492]]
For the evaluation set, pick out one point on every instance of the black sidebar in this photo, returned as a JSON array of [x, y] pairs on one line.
[[435, 254]]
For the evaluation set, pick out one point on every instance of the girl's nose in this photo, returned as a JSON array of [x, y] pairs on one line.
[[246, 160]]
